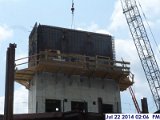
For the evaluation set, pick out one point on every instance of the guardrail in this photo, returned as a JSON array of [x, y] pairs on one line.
[[86, 61]]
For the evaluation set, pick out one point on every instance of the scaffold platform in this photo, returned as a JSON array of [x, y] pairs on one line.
[[73, 64]]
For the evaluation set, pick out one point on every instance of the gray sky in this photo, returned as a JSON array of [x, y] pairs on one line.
[[17, 18]]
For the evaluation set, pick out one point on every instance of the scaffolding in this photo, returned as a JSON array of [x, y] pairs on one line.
[[74, 64]]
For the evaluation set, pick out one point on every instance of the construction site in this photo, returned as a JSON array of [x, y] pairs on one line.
[[74, 75]]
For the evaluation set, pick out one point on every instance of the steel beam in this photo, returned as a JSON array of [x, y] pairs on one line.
[[9, 85]]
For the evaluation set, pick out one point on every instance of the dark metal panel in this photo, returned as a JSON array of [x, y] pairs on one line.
[[144, 105], [76, 42], [49, 38], [102, 45], [73, 41], [33, 41]]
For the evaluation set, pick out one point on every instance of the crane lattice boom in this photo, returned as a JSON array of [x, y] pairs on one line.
[[134, 100], [143, 46]]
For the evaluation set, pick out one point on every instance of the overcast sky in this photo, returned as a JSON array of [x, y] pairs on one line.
[[17, 18]]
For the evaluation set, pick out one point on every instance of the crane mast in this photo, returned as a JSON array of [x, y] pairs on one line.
[[143, 46]]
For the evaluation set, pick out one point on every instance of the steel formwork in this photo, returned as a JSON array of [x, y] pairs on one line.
[[70, 41]]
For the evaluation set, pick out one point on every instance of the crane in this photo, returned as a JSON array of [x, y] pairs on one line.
[[143, 46], [134, 100], [72, 10]]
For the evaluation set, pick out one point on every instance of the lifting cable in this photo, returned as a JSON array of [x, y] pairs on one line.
[[149, 27], [72, 10]]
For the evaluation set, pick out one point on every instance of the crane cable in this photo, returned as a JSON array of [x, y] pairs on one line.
[[149, 27], [72, 10]]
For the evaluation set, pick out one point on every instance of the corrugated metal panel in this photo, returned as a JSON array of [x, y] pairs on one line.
[[49, 38], [73, 41], [33, 41]]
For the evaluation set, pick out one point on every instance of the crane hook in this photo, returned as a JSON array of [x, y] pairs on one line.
[[72, 9]]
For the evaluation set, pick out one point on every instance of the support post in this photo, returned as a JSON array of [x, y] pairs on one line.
[[144, 105], [100, 102], [9, 85]]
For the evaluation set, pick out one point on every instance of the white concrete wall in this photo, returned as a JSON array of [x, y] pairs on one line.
[[58, 86], [32, 96]]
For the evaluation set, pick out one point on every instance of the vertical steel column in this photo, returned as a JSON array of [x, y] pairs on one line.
[[144, 105], [9, 85], [100, 104]]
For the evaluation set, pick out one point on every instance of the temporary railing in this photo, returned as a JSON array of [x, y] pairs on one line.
[[99, 66]]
